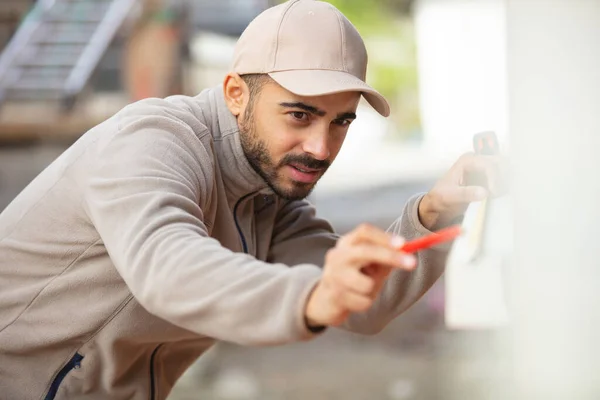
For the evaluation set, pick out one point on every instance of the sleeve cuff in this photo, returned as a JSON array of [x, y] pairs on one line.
[[315, 329], [416, 225]]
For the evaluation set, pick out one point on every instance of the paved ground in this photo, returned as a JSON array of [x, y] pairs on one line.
[[414, 358]]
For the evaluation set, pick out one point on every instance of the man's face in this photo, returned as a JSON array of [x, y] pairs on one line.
[[291, 140]]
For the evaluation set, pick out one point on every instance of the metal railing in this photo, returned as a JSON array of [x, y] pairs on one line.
[[56, 49]]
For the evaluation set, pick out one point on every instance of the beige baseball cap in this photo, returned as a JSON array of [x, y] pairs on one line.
[[310, 48]]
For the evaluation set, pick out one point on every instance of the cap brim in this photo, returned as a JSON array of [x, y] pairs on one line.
[[323, 82]]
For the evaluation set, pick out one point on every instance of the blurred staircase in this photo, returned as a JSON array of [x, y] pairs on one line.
[[54, 52]]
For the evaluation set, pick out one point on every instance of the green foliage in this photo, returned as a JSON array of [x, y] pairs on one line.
[[371, 17]]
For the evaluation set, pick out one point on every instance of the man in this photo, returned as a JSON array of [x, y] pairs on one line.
[[182, 221]]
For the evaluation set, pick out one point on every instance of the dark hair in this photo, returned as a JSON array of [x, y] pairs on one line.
[[255, 82]]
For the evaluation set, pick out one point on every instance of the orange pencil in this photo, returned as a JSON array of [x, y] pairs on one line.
[[425, 242]]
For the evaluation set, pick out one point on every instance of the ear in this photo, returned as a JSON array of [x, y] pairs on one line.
[[236, 93]]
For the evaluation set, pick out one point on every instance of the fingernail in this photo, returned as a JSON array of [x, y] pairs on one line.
[[407, 260], [397, 241]]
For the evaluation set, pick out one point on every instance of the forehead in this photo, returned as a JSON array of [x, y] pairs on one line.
[[273, 93]]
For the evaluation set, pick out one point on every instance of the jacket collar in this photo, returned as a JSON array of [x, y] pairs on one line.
[[238, 176]]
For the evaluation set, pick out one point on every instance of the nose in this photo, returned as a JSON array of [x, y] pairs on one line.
[[317, 144]]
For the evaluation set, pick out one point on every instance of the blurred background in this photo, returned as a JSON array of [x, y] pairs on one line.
[[450, 68]]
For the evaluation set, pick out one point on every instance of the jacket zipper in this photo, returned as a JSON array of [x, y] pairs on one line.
[[74, 363], [152, 380], [237, 224]]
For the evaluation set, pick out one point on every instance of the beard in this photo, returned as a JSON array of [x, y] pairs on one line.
[[260, 160]]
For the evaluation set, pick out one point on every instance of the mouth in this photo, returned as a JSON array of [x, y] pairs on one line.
[[305, 169], [301, 173]]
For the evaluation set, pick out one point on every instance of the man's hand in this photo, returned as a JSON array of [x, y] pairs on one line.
[[354, 273], [452, 194]]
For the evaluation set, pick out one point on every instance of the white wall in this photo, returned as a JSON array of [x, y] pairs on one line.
[[547, 102], [554, 85], [461, 61]]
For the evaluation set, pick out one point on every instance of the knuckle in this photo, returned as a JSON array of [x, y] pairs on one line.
[[328, 276], [343, 241], [331, 256], [364, 228], [379, 255], [391, 257], [376, 255], [390, 260], [366, 255]]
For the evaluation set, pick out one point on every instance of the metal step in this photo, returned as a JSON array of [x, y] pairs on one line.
[[58, 46]]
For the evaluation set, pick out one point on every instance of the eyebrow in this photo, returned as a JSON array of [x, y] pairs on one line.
[[346, 115], [305, 107], [316, 111]]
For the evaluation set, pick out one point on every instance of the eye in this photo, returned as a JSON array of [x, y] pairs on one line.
[[299, 115], [342, 122]]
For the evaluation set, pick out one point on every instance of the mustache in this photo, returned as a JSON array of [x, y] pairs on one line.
[[306, 161]]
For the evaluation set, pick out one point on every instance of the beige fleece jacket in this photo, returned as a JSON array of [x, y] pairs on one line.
[[148, 240]]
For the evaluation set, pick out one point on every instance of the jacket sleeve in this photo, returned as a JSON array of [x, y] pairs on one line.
[[143, 191], [300, 237]]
